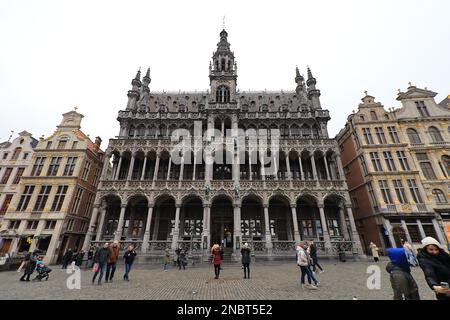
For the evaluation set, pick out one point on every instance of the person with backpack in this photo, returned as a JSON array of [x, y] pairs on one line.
[[402, 282]]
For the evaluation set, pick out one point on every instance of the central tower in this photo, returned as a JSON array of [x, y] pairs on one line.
[[223, 74]]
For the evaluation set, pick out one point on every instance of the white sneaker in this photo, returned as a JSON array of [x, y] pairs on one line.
[[312, 287]]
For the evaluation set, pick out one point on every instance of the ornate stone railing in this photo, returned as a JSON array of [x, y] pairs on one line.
[[137, 244], [258, 246], [159, 245], [194, 246], [338, 246], [282, 247]]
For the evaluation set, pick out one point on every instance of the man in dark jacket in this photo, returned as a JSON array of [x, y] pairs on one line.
[[245, 252], [435, 263], [67, 258], [402, 282], [27, 267], [313, 254], [79, 258], [128, 257], [101, 257], [90, 257]]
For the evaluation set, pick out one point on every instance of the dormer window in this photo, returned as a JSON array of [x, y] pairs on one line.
[[373, 115], [422, 108], [264, 108], [182, 108]]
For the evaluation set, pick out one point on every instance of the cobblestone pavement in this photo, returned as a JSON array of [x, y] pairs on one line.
[[340, 281]]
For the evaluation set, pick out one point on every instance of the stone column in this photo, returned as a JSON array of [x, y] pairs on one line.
[[405, 227], [143, 168], [387, 225], [223, 128], [119, 230], [326, 235], [313, 164], [205, 231], [422, 232], [119, 166], [439, 234], [101, 223], [355, 235], [90, 232], [237, 226], [288, 168], [181, 169], [176, 230], [105, 167], [301, 168], [249, 165], [344, 223], [130, 170], [326, 166], [168, 170], [146, 238], [194, 168], [267, 225], [339, 167], [295, 222], [155, 172]]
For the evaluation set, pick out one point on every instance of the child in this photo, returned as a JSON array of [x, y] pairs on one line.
[[42, 270]]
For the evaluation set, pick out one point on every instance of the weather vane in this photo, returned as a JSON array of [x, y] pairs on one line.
[[75, 108], [224, 22]]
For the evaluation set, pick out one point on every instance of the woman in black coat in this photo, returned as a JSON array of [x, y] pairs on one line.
[[245, 252], [435, 263]]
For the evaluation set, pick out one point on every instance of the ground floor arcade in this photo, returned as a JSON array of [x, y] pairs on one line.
[[272, 226]]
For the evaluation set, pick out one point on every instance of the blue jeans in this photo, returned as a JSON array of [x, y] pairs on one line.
[[304, 270], [101, 270], [127, 270]]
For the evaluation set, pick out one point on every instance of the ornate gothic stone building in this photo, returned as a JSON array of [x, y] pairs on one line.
[[224, 166]]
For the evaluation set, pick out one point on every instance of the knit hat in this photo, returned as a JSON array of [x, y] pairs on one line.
[[430, 240]]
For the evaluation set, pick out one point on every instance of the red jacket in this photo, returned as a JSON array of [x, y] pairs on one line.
[[216, 257]]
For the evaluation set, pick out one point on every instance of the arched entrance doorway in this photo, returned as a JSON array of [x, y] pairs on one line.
[[222, 221]]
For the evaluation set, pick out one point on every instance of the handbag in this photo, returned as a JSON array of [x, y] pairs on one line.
[[95, 267]]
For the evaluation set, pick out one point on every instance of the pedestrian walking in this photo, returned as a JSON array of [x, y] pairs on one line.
[[90, 257], [435, 263], [26, 258], [410, 253], [112, 261], [166, 259], [402, 282], [313, 254], [216, 259], [373, 247], [177, 256], [182, 262], [302, 262], [128, 257], [67, 258], [27, 267], [100, 260], [79, 258], [246, 259], [310, 265]]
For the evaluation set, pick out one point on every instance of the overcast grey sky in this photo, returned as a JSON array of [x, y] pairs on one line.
[[55, 55]]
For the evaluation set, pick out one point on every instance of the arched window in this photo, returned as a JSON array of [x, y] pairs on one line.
[[306, 131], [435, 134], [413, 136], [131, 132], [223, 94], [223, 64], [439, 196], [244, 108], [264, 108], [373, 115]]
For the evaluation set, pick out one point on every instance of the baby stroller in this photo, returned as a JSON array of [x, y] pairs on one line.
[[43, 271]]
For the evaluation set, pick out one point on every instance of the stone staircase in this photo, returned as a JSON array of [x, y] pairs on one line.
[[227, 255]]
